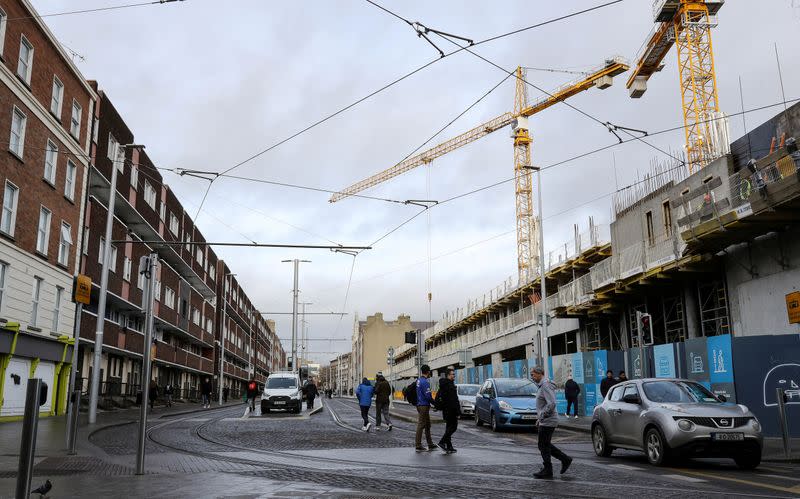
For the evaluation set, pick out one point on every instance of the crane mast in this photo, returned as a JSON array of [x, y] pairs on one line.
[[686, 24]]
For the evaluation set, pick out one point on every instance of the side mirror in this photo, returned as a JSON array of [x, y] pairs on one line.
[[631, 398], [485, 395], [43, 394], [722, 398]]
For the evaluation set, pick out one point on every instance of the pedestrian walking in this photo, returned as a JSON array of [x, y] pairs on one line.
[[225, 392], [424, 401], [364, 395], [205, 392], [153, 393], [168, 394], [447, 401], [382, 392], [547, 422], [252, 392], [607, 383], [622, 377], [311, 394], [571, 392]]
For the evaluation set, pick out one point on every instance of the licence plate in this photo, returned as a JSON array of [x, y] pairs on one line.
[[280, 402], [528, 416], [727, 436]]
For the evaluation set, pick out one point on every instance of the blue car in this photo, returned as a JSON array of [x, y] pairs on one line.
[[506, 403]]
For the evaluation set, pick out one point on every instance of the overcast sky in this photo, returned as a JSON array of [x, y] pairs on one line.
[[206, 84]]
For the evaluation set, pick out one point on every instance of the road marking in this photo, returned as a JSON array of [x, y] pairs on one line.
[[625, 467], [783, 477], [685, 478], [793, 490]]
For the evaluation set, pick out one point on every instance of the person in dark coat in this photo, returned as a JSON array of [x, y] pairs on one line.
[[311, 394], [382, 392], [447, 401], [607, 383], [205, 390], [571, 391], [153, 393], [225, 392], [168, 394], [252, 393]]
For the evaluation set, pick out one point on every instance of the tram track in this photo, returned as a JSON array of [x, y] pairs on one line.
[[341, 468]]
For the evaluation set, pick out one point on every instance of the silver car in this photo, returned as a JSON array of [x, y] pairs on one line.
[[670, 417], [466, 397]]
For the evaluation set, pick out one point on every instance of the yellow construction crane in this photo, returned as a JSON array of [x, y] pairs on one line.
[[527, 228], [686, 24]]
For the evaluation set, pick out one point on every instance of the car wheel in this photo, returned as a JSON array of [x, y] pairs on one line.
[[493, 422], [478, 419], [600, 442], [655, 447], [748, 461], [264, 409]]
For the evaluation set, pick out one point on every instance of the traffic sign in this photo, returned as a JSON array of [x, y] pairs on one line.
[[82, 289]]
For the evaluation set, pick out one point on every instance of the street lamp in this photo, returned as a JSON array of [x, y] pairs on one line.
[[542, 284], [94, 388], [296, 263], [222, 338]]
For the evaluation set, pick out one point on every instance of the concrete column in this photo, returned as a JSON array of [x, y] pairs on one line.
[[497, 364], [691, 311]]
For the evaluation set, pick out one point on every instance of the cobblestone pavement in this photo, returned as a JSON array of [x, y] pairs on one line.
[[219, 454]]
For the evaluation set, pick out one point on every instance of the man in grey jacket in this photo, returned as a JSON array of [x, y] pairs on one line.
[[548, 421]]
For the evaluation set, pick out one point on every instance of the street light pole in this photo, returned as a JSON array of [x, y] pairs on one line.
[[150, 263], [94, 387], [222, 339], [542, 283], [296, 263]]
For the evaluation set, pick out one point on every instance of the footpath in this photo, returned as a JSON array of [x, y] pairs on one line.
[[773, 447], [92, 472]]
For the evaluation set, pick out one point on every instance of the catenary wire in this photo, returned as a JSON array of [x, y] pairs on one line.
[[98, 9]]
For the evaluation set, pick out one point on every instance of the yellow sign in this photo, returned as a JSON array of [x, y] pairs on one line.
[[82, 289], [793, 307]]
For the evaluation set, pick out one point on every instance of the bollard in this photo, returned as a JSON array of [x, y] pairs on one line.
[[73, 423], [781, 397], [27, 446]]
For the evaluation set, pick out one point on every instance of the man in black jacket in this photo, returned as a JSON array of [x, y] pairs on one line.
[[607, 383], [447, 401], [571, 391]]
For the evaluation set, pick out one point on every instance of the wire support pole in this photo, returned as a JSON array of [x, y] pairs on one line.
[[248, 245]]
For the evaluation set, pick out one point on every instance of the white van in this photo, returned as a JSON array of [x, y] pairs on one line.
[[282, 391]]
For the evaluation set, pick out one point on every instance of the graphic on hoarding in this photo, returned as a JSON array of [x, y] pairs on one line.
[[719, 359], [665, 360], [577, 367], [600, 365], [785, 376], [696, 363]]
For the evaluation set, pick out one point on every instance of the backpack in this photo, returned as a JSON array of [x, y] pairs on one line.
[[410, 393], [252, 386]]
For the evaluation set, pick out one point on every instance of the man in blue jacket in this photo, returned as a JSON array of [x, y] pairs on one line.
[[364, 394], [424, 402]]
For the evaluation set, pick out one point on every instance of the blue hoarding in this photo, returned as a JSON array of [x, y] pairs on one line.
[[664, 360]]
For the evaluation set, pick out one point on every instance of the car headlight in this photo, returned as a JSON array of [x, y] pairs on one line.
[[685, 425], [466, 403], [505, 405], [755, 424]]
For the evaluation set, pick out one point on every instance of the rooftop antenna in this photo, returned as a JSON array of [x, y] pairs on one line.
[[74, 54], [744, 121]]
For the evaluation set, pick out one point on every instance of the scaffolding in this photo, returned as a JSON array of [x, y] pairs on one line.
[[674, 318], [713, 301]]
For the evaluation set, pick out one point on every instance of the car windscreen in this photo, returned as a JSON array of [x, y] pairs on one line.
[[468, 389], [515, 388], [678, 392], [278, 383]]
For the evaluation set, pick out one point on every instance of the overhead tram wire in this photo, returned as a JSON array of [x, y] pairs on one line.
[[98, 9], [409, 74]]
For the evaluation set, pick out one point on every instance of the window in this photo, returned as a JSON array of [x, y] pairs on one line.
[[85, 240], [57, 307], [173, 224], [162, 212], [651, 237], [116, 153], [169, 297], [200, 255], [43, 231], [57, 98], [140, 280], [126, 268], [64, 244], [212, 273], [3, 272], [630, 390], [37, 289], [678, 392], [209, 324], [187, 240], [195, 316], [25, 60], [616, 394], [17, 142], [3, 22], [69, 183], [50, 160], [134, 177], [157, 291], [112, 265], [75, 120], [149, 195], [9, 217], [667, 212]]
